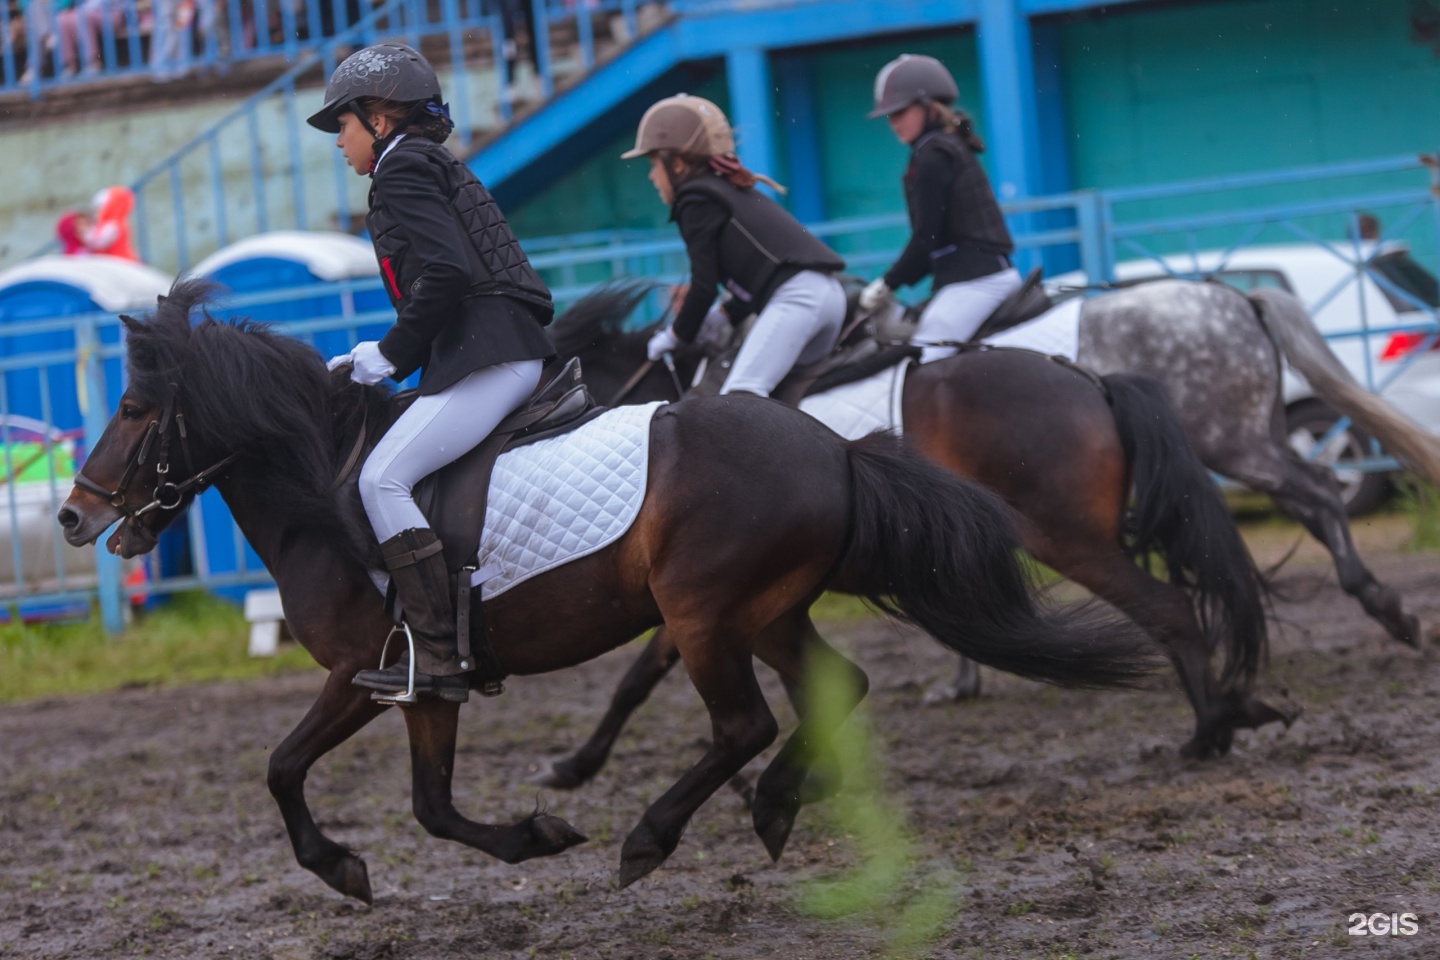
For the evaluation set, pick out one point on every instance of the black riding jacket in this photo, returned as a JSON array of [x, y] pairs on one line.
[[738, 237], [957, 230], [464, 292]]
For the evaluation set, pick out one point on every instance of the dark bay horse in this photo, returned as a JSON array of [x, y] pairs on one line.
[[1065, 450], [751, 511]]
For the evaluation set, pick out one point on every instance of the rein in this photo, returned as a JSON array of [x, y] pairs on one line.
[[167, 495]]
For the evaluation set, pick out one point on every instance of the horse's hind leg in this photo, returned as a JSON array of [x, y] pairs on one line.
[[431, 726], [966, 685], [824, 687], [658, 658], [1306, 492], [1165, 611], [741, 726], [339, 712]]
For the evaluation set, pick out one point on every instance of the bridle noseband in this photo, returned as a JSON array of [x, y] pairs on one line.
[[167, 495]]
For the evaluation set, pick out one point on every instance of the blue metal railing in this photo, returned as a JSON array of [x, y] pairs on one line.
[[265, 170], [57, 394], [43, 48]]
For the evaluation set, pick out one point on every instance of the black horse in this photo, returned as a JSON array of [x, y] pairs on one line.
[[1065, 450], [751, 511]]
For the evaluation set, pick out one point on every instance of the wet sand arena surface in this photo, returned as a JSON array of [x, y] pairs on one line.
[[1065, 824]]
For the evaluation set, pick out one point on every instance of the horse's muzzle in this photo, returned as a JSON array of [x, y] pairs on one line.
[[84, 516]]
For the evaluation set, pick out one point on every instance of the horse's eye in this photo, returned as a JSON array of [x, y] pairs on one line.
[[128, 411]]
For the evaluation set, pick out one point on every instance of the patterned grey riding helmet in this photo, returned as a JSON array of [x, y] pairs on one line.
[[911, 78], [388, 71]]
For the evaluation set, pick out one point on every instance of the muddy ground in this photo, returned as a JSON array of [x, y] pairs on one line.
[[1052, 824]]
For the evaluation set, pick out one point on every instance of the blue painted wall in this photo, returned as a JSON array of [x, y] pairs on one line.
[[1156, 95]]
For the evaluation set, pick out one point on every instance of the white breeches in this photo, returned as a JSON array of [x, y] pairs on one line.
[[799, 325], [956, 311], [437, 430]]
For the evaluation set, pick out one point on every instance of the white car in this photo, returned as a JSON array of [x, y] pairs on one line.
[[37, 465], [1382, 321]]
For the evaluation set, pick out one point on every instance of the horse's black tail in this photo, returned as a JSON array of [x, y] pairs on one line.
[[942, 553], [1178, 513]]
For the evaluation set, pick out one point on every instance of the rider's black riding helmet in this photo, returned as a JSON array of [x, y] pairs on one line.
[[386, 71]]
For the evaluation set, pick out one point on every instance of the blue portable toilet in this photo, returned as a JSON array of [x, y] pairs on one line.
[[56, 288], [41, 297], [303, 275], [295, 276]]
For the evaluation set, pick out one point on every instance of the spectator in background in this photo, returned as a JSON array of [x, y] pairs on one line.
[[515, 14], [111, 233], [39, 40], [172, 44], [71, 229], [81, 29]]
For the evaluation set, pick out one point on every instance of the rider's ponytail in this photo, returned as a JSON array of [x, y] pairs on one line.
[[727, 167], [957, 121], [730, 169]]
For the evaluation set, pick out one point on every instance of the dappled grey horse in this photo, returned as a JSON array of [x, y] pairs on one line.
[[1219, 353]]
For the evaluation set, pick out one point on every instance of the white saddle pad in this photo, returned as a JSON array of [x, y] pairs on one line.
[[561, 499], [860, 408], [1055, 332]]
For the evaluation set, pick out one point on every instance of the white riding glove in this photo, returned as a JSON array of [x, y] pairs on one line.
[[367, 364], [875, 293], [662, 343]]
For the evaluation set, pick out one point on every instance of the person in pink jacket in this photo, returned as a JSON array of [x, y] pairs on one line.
[[70, 230]]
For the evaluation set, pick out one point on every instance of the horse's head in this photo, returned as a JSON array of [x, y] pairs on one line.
[[205, 396], [143, 470]]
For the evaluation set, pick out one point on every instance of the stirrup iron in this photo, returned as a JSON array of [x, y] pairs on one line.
[[409, 696]]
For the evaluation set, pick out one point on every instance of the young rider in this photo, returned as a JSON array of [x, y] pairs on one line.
[[470, 313], [739, 238], [957, 230]]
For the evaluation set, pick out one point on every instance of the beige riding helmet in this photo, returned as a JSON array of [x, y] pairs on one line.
[[686, 125]]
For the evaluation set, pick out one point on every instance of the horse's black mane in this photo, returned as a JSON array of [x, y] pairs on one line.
[[600, 315], [244, 387]]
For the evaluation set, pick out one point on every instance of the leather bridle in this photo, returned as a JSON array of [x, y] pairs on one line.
[[167, 494]]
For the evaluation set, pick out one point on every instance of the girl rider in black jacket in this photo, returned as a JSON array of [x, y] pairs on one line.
[[470, 312], [957, 230], [740, 239]]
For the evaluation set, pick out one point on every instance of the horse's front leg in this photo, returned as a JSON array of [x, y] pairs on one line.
[[432, 725], [341, 710]]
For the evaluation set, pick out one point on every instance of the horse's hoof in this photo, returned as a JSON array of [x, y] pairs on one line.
[[641, 855], [348, 874], [1258, 713], [1408, 632], [1205, 747], [942, 693], [774, 819], [554, 835], [556, 774]]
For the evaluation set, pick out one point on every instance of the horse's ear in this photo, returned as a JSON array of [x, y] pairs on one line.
[[130, 322]]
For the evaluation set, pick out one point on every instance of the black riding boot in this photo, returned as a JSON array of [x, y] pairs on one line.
[[422, 586]]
